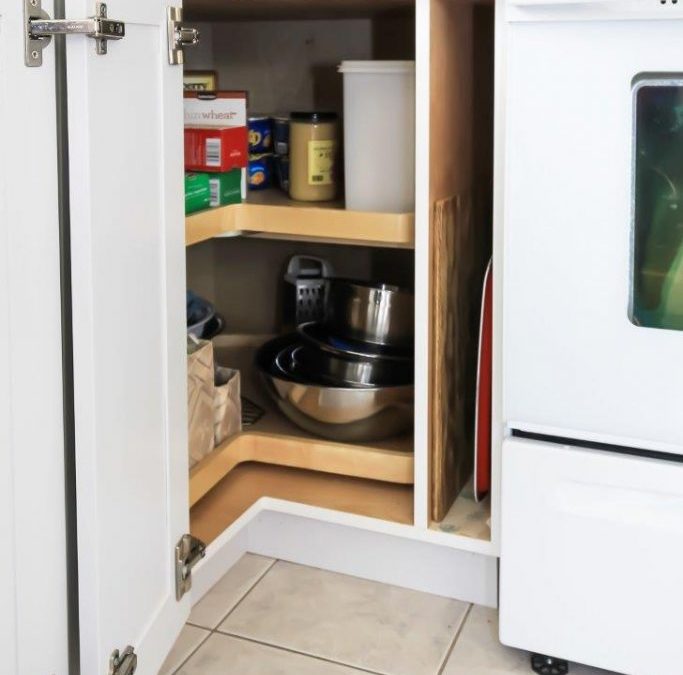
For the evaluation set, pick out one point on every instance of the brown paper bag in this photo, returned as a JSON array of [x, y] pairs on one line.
[[200, 392], [227, 405]]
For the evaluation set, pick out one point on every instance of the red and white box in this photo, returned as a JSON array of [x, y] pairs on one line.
[[216, 149], [217, 109]]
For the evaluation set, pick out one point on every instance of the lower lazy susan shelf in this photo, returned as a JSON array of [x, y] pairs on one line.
[[276, 441], [248, 482], [359, 461]]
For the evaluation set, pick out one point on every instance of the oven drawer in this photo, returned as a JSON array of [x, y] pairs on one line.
[[592, 556]]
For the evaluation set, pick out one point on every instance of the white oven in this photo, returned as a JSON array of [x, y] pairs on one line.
[[592, 474], [593, 278]]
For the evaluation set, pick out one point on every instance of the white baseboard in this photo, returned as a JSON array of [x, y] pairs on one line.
[[221, 555], [408, 563]]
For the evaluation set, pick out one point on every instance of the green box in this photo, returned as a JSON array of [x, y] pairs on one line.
[[226, 188], [197, 192]]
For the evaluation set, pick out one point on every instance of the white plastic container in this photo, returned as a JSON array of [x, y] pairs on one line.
[[379, 135]]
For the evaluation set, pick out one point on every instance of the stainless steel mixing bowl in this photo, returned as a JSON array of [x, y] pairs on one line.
[[321, 337], [377, 313], [347, 414], [341, 370]]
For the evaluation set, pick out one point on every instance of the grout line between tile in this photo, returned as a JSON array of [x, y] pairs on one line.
[[211, 631], [246, 593], [361, 669], [196, 649], [307, 655], [458, 632]]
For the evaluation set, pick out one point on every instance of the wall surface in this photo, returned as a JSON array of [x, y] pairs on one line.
[[284, 65]]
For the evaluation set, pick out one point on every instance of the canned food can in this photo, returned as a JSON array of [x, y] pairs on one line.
[[260, 173], [260, 134]]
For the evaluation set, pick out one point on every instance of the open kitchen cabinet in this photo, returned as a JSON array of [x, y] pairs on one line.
[[128, 259], [237, 255]]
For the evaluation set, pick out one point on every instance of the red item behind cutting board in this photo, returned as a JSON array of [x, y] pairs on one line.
[[482, 433]]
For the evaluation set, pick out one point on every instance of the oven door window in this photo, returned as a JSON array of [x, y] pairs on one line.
[[657, 284]]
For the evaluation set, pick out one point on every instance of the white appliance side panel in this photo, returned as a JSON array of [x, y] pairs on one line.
[[592, 544], [573, 361], [126, 156]]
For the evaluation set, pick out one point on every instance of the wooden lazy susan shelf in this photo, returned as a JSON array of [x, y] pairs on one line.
[[272, 214], [250, 481], [298, 452], [275, 441]]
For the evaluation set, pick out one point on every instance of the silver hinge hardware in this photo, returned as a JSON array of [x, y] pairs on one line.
[[39, 29], [179, 36], [125, 663], [188, 552]]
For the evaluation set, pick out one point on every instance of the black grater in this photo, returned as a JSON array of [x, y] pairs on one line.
[[305, 289]]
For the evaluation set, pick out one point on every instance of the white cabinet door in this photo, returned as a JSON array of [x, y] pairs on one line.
[[127, 224], [591, 552], [575, 362], [33, 596]]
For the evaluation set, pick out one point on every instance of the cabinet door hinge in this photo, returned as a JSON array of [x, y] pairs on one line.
[[39, 29], [123, 663], [179, 36], [188, 552]]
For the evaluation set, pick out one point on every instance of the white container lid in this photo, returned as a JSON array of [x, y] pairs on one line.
[[377, 67]]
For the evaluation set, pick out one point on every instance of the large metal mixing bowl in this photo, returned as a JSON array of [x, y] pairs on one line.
[[378, 313], [318, 335], [338, 370], [347, 414]]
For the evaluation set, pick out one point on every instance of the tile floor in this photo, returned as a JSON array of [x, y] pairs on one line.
[[268, 617]]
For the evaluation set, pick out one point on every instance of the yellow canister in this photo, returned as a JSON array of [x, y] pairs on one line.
[[313, 150]]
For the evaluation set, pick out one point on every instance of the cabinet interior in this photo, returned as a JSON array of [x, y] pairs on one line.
[[241, 10], [243, 276], [290, 62]]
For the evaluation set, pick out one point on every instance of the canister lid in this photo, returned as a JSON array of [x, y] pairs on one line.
[[313, 116], [377, 67]]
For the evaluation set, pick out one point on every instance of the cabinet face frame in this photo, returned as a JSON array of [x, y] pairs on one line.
[[422, 255]]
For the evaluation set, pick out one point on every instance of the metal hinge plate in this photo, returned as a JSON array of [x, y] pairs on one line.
[[188, 552], [39, 29], [179, 36], [124, 663]]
